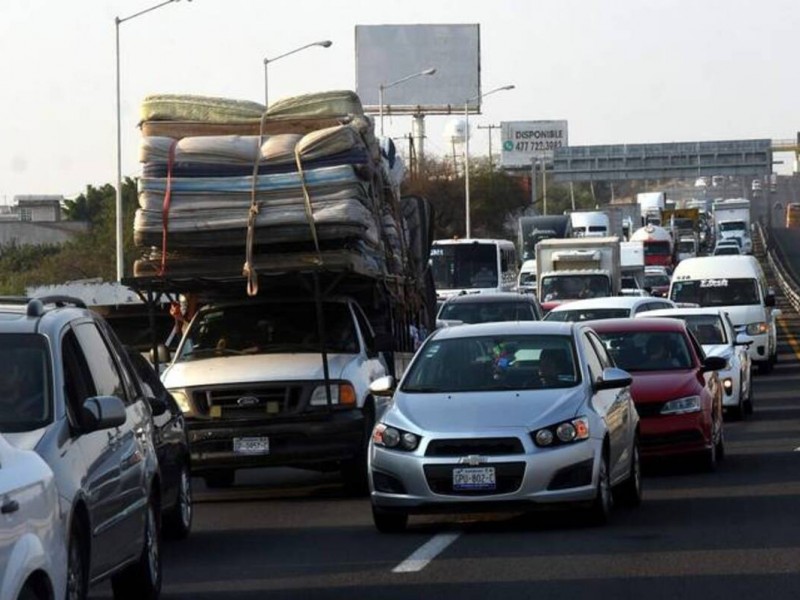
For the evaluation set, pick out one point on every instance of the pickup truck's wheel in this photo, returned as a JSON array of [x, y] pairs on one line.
[[355, 475], [178, 520], [220, 479], [142, 580]]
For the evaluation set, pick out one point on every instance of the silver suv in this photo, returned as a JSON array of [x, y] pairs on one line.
[[68, 392]]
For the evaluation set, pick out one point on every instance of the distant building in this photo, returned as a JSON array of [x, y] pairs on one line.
[[36, 220]]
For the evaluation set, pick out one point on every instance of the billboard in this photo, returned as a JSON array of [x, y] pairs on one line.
[[388, 53], [524, 141]]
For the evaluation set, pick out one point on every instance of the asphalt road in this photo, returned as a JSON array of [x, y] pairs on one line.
[[731, 534]]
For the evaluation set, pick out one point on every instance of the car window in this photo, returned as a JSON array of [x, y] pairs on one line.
[[592, 360], [493, 363], [103, 368], [366, 331], [26, 399], [605, 358], [78, 384]]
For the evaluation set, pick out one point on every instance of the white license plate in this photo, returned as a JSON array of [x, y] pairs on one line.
[[482, 478], [251, 445]]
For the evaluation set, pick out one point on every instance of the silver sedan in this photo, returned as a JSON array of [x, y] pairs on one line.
[[506, 416]]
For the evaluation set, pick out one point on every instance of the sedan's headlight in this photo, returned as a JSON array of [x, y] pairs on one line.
[[182, 400], [566, 432], [341, 394], [682, 406], [757, 328], [394, 438]]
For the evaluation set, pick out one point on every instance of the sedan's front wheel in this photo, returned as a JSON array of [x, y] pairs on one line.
[[600, 510], [629, 492]]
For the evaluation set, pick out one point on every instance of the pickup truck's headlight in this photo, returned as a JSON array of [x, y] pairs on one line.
[[562, 433], [182, 400], [396, 439], [757, 328], [342, 394], [682, 406]]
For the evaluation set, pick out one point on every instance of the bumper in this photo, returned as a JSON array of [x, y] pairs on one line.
[[310, 442], [674, 435], [413, 483], [759, 350]]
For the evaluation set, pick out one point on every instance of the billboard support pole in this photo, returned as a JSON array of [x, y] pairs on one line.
[[533, 184], [418, 127], [544, 187]]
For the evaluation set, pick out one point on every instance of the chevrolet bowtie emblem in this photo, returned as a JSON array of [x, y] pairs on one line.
[[472, 460]]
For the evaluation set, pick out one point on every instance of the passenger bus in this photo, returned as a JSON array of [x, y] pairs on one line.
[[473, 266]]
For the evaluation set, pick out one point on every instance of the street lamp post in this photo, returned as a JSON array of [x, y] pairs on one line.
[[386, 86], [322, 44], [466, 150], [117, 22]]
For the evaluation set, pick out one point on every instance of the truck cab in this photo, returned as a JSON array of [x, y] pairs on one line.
[[250, 377]]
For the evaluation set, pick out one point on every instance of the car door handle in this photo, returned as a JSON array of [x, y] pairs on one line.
[[9, 506]]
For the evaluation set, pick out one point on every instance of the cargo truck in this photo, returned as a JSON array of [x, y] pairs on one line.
[[651, 204], [573, 269], [732, 219], [631, 256], [310, 281]]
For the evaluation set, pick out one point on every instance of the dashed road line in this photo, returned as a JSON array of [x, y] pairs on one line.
[[423, 555]]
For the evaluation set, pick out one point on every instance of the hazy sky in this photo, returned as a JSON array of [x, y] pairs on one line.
[[619, 71]]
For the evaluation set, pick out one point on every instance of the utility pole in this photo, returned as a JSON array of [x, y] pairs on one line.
[[491, 162]]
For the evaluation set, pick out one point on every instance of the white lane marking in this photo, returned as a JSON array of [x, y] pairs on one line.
[[426, 553]]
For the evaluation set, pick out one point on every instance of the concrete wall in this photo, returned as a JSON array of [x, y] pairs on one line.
[[23, 233]]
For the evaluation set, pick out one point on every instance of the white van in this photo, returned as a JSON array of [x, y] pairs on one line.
[[736, 283], [590, 224]]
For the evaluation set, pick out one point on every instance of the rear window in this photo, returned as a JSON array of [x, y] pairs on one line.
[[487, 312], [589, 314]]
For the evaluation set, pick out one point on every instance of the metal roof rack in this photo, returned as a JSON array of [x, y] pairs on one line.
[[35, 307]]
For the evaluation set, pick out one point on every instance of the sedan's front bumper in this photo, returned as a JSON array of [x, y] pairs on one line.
[[670, 435], [414, 483]]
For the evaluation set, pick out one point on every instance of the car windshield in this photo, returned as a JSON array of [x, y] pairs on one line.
[[656, 280], [716, 292], [25, 383], [493, 363], [464, 266], [268, 328], [573, 287], [727, 249], [733, 226], [648, 350], [588, 314], [486, 312], [685, 246]]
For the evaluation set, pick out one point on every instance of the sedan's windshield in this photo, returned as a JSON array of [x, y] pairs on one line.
[[716, 292], [25, 383], [485, 312], [268, 328], [648, 350], [588, 314], [494, 363]]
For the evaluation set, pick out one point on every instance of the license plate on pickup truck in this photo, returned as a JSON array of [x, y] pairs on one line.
[[482, 478], [251, 445]]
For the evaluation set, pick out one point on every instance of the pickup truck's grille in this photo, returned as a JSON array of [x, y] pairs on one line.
[[249, 402]]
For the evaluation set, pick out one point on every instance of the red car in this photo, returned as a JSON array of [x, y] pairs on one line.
[[675, 386]]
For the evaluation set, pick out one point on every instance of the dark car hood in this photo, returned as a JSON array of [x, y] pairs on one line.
[[661, 386]]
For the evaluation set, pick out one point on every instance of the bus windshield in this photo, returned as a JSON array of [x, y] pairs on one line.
[[464, 266]]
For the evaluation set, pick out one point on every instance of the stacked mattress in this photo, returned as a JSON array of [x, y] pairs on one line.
[[228, 187]]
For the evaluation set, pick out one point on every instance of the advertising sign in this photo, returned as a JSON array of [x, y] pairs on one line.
[[524, 141]]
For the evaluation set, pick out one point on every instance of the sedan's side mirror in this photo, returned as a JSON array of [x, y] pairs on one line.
[[743, 339], [776, 312], [158, 406], [383, 387], [162, 352], [714, 363], [613, 378], [102, 412], [769, 300]]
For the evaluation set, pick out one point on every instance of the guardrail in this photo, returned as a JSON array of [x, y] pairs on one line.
[[789, 287]]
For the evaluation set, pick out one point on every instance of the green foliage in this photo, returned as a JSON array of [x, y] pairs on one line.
[[88, 255]]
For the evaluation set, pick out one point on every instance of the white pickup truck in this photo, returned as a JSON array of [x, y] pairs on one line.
[[250, 377]]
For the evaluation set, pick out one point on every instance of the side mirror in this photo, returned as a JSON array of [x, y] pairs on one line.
[[163, 354], [714, 363], [743, 339], [102, 412], [613, 378], [158, 406], [383, 387], [769, 300]]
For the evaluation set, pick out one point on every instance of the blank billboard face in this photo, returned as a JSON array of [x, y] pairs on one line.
[[388, 53]]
